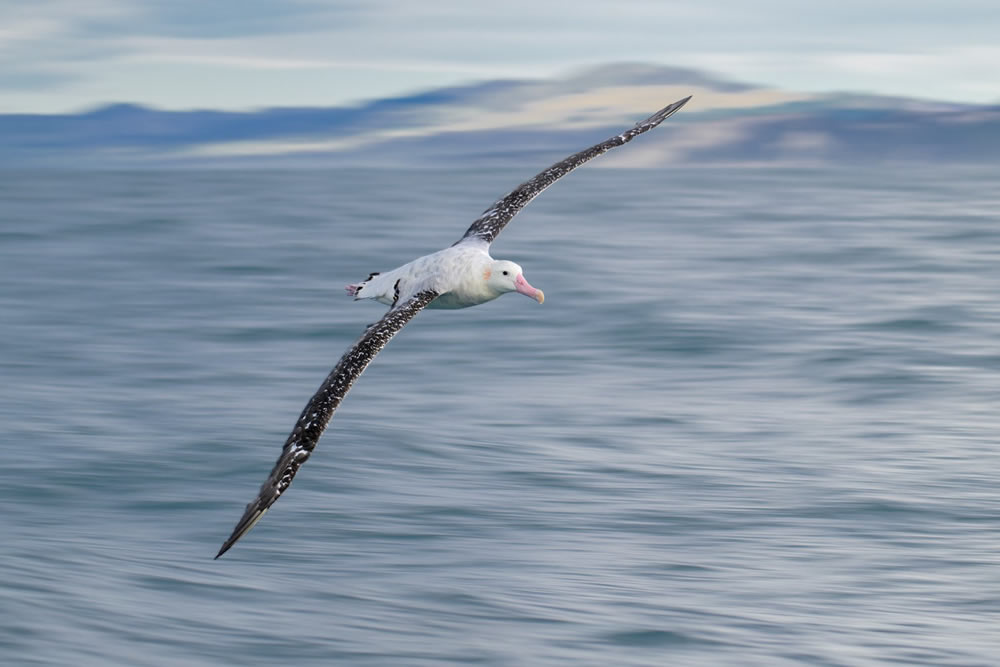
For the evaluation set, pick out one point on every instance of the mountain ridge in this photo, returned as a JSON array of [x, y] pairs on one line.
[[501, 121]]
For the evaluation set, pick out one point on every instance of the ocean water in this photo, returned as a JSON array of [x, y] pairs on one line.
[[754, 423]]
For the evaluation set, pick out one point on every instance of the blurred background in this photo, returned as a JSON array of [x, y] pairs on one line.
[[122, 83], [754, 423]]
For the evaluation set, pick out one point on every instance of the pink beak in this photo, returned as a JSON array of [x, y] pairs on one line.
[[522, 287]]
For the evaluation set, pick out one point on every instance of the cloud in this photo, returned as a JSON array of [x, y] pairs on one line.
[[53, 35], [272, 54], [34, 79], [242, 18], [963, 72], [175, 52]]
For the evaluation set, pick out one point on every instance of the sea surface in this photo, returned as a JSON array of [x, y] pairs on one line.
[[755, 422]]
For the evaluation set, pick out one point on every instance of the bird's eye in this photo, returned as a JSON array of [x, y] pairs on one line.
[[505, 273]]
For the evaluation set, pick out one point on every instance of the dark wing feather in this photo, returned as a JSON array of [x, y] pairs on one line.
[[321, 407], [496, 217]]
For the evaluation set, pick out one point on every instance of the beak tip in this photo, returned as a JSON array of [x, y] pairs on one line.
[[540, 296]]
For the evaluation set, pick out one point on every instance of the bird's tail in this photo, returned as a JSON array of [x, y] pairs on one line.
[[355, 289]]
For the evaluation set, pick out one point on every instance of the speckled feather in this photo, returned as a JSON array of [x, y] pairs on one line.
[[496, 217], [320, 408]]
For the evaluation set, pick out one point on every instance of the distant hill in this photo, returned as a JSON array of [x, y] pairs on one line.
[[514, 121]]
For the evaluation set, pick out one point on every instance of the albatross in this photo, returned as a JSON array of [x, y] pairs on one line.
[[459, 276]]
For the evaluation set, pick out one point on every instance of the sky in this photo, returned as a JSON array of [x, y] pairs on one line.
[[70, 55]]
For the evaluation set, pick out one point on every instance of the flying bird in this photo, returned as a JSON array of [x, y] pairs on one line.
[[459, 276]]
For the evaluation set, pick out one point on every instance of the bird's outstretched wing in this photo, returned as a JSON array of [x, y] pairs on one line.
[[496, 217], [321, 407]]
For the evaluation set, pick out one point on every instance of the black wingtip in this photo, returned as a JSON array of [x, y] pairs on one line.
[[679, 103], [250, 518], [225, 547], [667, 111]]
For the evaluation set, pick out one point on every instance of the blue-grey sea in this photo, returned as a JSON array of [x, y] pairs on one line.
[[755, 421]]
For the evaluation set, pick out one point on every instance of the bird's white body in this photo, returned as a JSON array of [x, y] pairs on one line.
[[463, 275]]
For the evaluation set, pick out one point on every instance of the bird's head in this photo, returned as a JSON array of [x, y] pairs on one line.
[[503, 276]]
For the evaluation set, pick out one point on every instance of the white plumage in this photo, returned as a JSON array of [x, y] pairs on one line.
[[463, 275]]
